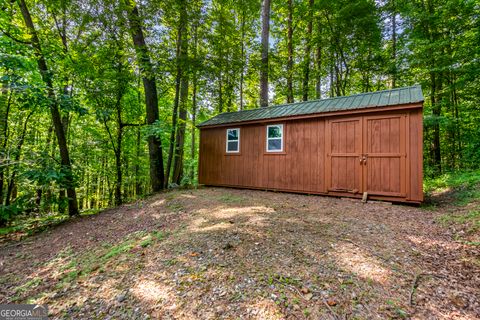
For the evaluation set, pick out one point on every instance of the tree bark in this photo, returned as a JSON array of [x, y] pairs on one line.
[[176, 102], [394, 44], [182, 115], [157, 177], [243, 57], [55, 113], [138, 186], [5, 103], [308, 46], [264, 62], [193, 146], [318, 85], [290, 98], [220, 93], [118, 151], [436, 89], [16, 159], [118, 166]]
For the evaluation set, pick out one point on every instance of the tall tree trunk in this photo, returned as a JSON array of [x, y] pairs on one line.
[[118, 166], [194, 103], [308, 46], [220, 93], [18, 152], [394, 43], [436, 87], [176, 102], [180, 138], [157, 177], [62, 31], [332, 61], [5, 103], [290, 98], [457, 125], [264, 62], [243, 57], [118, 151], [318, 85], [182, 115], [55, 113], [138, 186]]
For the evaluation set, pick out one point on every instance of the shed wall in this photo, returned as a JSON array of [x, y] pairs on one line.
[[304, 164]]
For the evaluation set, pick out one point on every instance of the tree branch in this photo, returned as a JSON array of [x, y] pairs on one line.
[[132, 124], [110, 135], [8, 34]]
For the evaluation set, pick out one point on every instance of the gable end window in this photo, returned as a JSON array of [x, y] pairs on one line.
[[275, 138], [233, 140]]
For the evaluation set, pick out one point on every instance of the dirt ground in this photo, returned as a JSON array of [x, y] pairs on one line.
[[216, 253]]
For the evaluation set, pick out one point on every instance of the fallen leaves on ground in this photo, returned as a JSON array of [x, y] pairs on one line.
[[224, 253]]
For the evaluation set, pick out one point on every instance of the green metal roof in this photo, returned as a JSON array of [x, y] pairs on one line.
[[406, 95]]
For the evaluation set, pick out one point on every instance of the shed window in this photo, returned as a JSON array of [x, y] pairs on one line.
[[275, 138], [233, 140]]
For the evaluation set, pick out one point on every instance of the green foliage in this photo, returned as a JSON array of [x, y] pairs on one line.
[[97, 83], [464, 186], [9, 212]]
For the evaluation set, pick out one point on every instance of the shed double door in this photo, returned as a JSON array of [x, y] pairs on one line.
[[367, 154]]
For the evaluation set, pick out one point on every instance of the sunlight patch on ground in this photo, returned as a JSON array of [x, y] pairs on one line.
[[441, 191], [150, 292], [435, 313], [264, 309], [354, 260], [259, 221], [429, 243], [158, 203], [226, 213], [107, 290], [254, 215], [217, 226], [188, 196], [57, 267]]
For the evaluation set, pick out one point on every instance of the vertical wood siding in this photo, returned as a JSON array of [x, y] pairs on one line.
[[323, 155]]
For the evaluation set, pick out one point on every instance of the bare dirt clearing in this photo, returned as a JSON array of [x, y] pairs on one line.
[[224, 253]]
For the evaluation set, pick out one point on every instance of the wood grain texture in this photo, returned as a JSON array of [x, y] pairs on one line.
[[322, 156]]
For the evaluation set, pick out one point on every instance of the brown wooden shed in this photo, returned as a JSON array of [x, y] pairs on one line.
[[344, 146]]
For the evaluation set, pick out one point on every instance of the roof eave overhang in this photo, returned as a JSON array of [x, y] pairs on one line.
[[408, 106]]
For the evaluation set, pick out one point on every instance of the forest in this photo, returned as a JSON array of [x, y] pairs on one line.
[[99, 99]]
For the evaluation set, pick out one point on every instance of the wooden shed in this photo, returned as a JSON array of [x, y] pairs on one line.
[[344, 146]]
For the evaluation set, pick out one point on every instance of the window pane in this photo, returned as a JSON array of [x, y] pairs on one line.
[[275, 132], [275, 145], [232, 134], [232, 146]]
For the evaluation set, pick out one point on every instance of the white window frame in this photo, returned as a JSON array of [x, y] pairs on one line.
[[227, 141], [281, 138]]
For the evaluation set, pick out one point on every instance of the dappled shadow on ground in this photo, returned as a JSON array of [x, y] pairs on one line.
[[224, 253]]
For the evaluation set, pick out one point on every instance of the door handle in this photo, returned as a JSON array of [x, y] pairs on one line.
[[363, 159]]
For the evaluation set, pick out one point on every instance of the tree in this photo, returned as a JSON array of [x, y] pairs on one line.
[[183, 71], [157, 176], [290, 98], [306, 62], [56, 118], [265, 49]]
